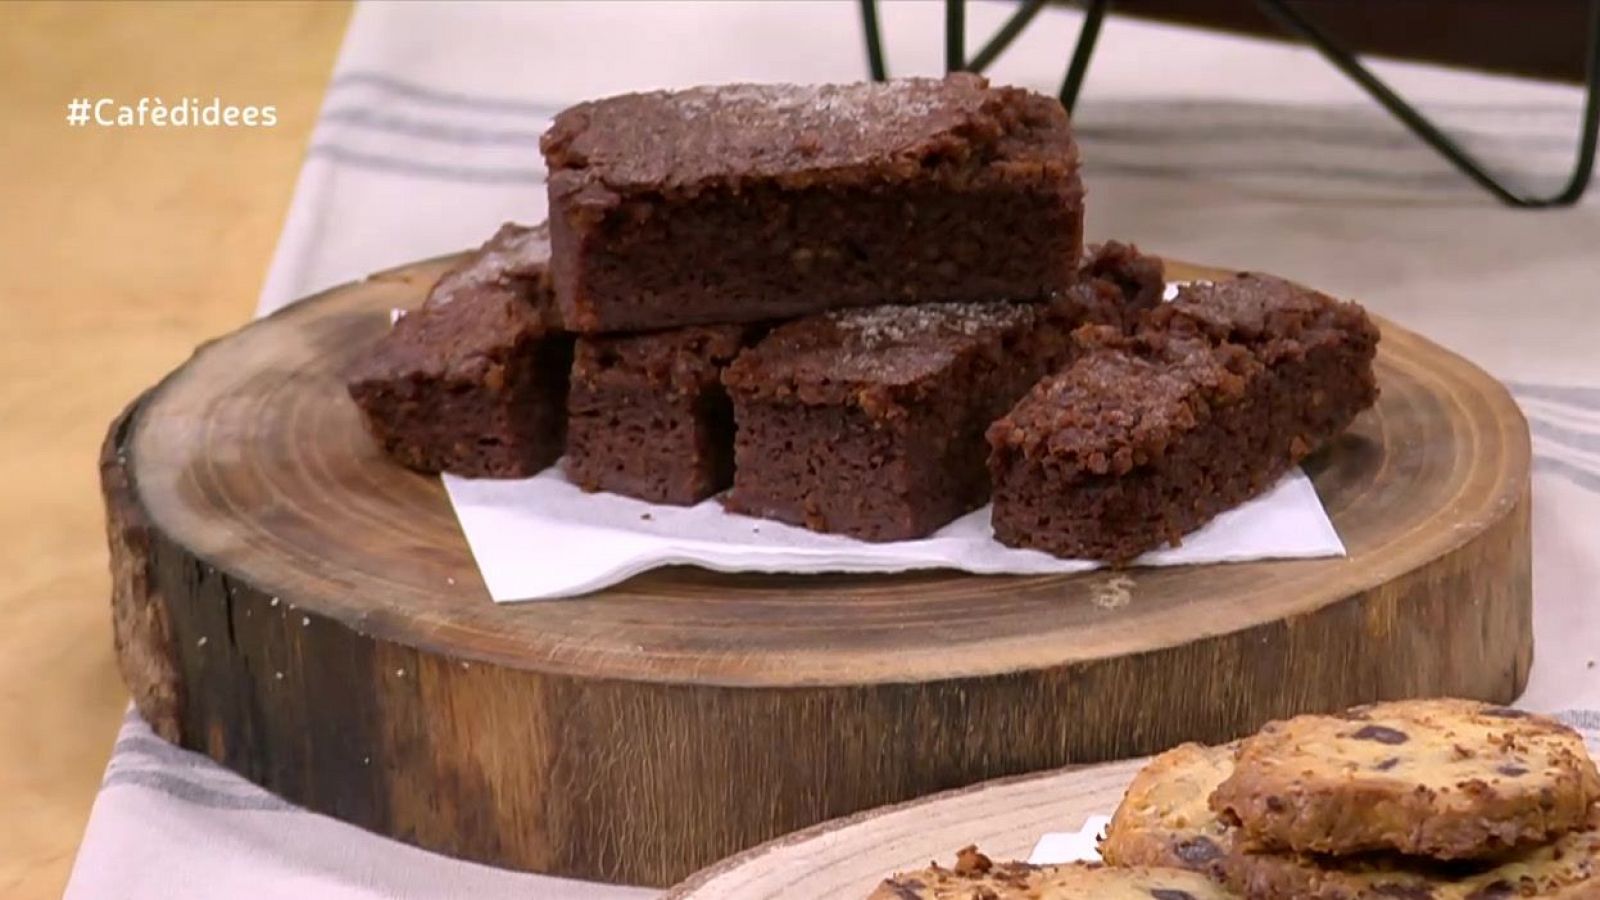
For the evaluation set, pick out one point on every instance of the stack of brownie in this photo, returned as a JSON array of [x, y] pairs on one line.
[[823, 298]]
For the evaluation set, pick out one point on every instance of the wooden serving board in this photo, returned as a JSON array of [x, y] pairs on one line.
[[294, 605], [849, 856]]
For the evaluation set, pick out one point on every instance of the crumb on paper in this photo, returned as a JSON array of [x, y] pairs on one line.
[[1113, 593], [646, 517]]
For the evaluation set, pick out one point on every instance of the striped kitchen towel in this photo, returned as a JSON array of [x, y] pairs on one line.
[[170, 823], [1211, 148]]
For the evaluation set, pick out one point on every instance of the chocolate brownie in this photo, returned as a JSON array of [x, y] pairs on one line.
[[747, 202], [1449, 779], [648, 416], [869, 422], [474, 382], [1144, 439], [976, 877]]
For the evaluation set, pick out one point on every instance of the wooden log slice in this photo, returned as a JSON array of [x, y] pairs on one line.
[[307, 613], [846, 858]]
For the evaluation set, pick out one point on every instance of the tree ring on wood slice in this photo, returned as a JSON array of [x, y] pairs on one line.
[[307, 613]]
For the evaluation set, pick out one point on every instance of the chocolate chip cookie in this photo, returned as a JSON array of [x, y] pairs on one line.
[[1165, 819], [976, 877], [1447, 779], [1565, 869]]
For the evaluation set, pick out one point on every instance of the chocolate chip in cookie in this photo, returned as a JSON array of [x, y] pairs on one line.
[[1380, 734]]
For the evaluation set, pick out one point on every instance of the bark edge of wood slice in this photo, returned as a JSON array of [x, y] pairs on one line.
[[293, 605]]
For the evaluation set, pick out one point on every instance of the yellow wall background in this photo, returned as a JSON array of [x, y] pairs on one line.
[[120, 249]]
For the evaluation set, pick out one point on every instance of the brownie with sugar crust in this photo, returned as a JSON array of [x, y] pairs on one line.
[[1143, 439], [743, 203], [869, 422]]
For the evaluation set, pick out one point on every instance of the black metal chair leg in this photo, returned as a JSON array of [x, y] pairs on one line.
[[955, 41], [869, 25], [1344, 60], [1331, 49], [1094, 14], [955, 35], [1007, 33]]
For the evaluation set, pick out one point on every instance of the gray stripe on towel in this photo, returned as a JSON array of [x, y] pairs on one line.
[[1579, 476], [445, 132], [501, 103], [1581, 396], [1444, 180], [167, 754], [1580, 718], [1571, 438], [377, 163], [197, 794], [422, 93], [1345, 135]]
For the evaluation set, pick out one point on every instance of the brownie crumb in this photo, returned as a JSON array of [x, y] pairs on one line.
[[1117, 285]]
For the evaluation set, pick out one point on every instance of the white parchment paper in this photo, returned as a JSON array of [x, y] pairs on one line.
[[542, 537], [1082, 845]]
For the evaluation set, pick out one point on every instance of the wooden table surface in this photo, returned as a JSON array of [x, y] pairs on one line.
[[122, 249]]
